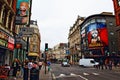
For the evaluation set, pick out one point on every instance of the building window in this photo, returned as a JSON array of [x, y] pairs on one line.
[[9, 22], [34, 48], [4, 17], [0, 9]]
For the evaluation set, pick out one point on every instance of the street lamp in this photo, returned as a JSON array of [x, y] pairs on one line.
[[29, 26]]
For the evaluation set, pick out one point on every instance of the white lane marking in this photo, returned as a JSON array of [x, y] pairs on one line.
[[72, 74], [61, 75], [95, 73], [53, 76], [85, 74], [83, 77]]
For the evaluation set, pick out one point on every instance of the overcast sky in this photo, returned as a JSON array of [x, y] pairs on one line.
[[55, 17]]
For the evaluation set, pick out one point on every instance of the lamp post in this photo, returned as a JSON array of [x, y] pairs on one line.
[[46, 51], [29, 26]]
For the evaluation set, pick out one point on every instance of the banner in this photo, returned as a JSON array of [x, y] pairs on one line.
[[22, 12], [97, 35]]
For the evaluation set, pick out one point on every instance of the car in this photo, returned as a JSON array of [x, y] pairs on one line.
[[65, 64]]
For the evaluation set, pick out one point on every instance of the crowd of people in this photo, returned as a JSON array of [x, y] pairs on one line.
[[107, 64], [27, 69]]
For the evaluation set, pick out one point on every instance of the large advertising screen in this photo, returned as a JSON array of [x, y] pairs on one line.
[[97, 35], [22, 12]]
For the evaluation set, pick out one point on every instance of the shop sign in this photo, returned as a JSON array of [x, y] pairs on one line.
[[11, 46], [3, 36], [11, 40], [26, 32], [18, 45], [3, 43]]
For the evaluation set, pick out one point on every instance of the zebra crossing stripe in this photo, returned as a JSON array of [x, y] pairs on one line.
[[95, 73], [89, 74], [72, 74], [61, 75], [85, 74]]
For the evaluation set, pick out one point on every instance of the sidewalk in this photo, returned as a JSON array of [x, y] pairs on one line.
[[43, 76], [116, 69]]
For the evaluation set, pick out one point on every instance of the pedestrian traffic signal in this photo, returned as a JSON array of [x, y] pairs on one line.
[[46, 46]]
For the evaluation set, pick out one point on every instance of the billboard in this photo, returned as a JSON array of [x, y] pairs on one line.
[[22, 12], [97, 35]]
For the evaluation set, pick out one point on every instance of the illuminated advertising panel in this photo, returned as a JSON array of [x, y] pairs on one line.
[[97, 35], [10, 46], [11, 42], [22, 13]]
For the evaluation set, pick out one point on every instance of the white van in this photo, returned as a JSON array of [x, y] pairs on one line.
[[87, 62]]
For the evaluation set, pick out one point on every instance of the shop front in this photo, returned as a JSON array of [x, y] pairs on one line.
[[20, 49], [6, 48]]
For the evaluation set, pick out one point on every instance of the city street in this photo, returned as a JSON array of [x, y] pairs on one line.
[[80, 73], [59, 39]]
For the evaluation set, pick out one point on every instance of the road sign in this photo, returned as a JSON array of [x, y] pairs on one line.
[[67, 52], [26, 32]]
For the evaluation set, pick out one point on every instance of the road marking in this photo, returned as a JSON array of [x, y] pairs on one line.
[[72, 74], [85, 74], [95, 73], [83, 77], [53, 77], [61, 75]]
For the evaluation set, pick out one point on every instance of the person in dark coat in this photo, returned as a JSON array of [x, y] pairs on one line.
[[15, 66], [26, 70], [34, 72]]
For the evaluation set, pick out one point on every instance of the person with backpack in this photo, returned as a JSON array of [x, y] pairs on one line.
[[48, 64]]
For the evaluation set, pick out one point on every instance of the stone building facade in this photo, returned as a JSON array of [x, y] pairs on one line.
[[74, 41], [7, 40], [34, 41], [59, 51]]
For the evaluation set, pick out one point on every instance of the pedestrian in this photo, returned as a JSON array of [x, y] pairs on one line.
[[34, 71], [15, 66], [25, 69], [48, 64], [110, 65], [106, 63], [40, 64], [101, 63]]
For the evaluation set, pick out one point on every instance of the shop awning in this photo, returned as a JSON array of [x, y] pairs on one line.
[[33, 54]]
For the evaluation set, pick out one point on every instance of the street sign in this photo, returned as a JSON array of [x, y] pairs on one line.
[[26, 32], [67, 52]]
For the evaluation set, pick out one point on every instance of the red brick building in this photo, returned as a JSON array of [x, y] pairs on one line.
[[117, 16]]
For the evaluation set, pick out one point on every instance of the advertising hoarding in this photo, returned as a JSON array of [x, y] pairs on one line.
[[97, 35], [22, 12]]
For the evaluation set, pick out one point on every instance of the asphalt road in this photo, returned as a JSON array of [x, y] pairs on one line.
[[80, 73]]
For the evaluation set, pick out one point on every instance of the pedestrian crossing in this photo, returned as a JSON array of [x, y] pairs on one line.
[[75, 75]]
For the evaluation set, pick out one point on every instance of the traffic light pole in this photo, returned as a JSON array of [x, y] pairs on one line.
[[45, 61], [46, 49]]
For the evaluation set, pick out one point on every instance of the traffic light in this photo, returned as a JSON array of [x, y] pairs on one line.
[[46, 46]]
